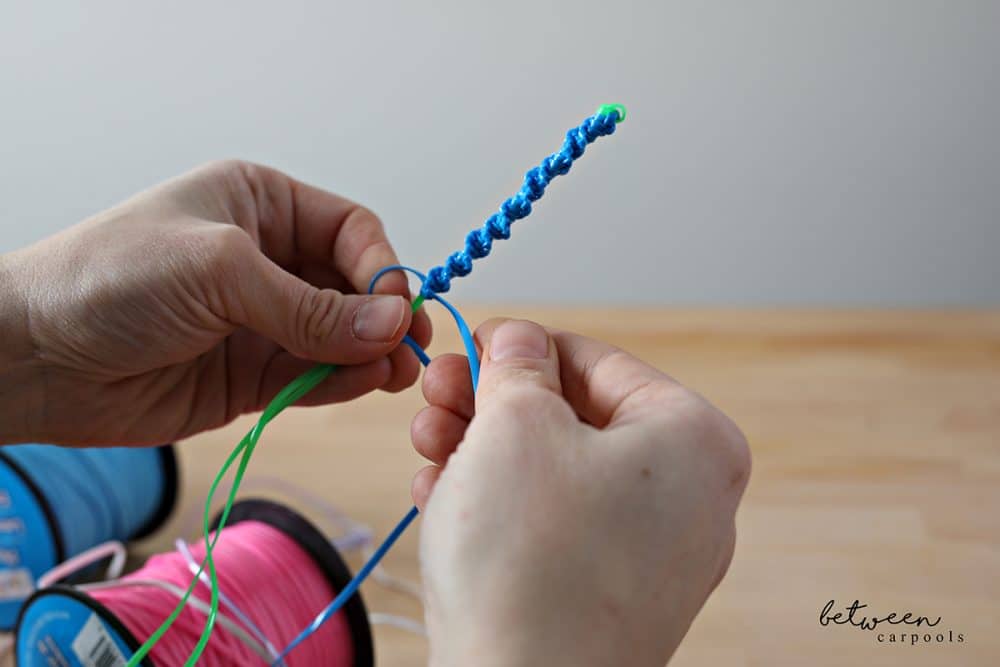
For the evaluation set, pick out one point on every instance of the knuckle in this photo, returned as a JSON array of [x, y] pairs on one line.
[[717, 437], [238, 165], [227, 245], [531, 407], [492, 323], [365, 228], [373, 244], [320, 312], [422, 433], [362, 216], [512, 400], [209, 260], [226, 167], [407, 370], [521, 373], [741, 460], [727, 549]]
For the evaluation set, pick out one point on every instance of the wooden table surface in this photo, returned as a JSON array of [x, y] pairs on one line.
[[876, 442]]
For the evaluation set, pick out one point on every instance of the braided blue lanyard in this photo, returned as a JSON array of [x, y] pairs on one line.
[[478, 243]]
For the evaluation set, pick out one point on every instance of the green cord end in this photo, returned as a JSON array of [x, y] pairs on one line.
[[417, 302], [617, 109]]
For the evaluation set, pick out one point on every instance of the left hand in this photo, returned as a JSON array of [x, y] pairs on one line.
[[193, 303]]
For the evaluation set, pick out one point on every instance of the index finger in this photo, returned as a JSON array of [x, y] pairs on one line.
[[298, 221], [310, 223], [607, 386]]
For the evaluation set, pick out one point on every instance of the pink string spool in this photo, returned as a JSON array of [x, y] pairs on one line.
[[278, 581]]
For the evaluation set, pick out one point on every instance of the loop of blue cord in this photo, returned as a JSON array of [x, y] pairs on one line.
[[478, 244], [352, 587]]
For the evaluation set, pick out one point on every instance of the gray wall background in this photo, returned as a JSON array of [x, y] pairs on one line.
[[830, 153]]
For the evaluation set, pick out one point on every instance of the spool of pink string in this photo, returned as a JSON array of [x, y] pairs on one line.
[[266, 573]]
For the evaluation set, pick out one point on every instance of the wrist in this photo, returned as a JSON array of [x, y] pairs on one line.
[[495, 643], [19, 375], [502, 650], [508, 650]]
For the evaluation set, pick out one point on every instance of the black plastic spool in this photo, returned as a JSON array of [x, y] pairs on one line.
[[291, 524]]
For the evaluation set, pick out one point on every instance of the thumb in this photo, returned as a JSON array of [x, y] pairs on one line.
[[517, 355], [318, 324]]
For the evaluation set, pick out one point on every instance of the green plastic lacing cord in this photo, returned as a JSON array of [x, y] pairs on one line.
[[294, 391], [617, 109]]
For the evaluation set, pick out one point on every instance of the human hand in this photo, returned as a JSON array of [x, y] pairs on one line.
[[588, 512], [195, 302]]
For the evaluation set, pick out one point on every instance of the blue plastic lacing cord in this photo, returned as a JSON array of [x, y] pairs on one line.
[[352, 586], [478, 244], [470, 348]]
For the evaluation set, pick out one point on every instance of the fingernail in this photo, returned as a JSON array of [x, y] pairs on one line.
[[378, 319], [518, 339]]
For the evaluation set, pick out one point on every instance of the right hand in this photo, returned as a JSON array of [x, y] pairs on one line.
[[587, 514]]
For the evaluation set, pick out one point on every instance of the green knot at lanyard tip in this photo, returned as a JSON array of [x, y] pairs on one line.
[[617, 109]]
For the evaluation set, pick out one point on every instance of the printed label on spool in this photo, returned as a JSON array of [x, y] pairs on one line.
[[66, 630], [16, 584], [27, 546], [95, 648]]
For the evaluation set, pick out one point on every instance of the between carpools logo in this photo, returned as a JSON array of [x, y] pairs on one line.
[[891, 628]]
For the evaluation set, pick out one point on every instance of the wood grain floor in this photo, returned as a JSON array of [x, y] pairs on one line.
[[876, 440]]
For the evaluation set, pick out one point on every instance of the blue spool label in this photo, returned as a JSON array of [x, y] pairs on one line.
[[59, 630], [27, 547]]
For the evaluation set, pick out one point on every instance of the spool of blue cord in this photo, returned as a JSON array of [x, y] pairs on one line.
[[57, 502]]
